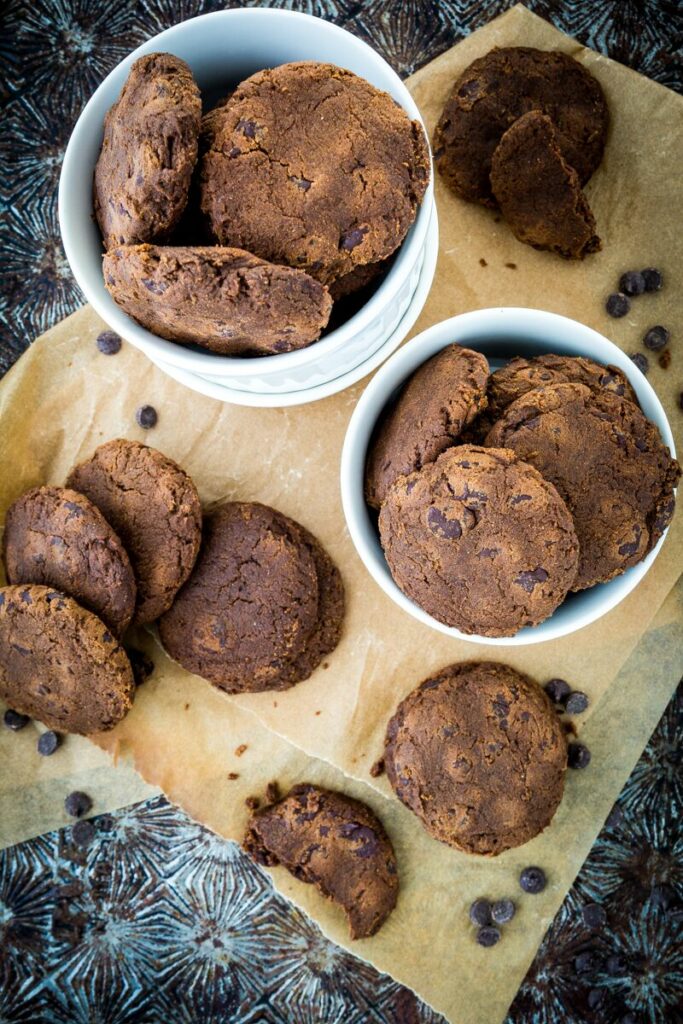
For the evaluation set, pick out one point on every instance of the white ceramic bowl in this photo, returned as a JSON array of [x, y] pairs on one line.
[[500, 334], [225, 47]]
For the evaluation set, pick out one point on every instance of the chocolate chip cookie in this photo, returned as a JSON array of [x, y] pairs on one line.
[[538, 193], [609, 464], [497, 89], [480, 541], [335, 843], [154, 508], [142, 176], [57, 537], [334, 167], [59, 663], [225, 300], [478, 754], [441, 398]]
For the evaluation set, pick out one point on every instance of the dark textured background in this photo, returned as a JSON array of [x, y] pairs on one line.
[[158, 920]]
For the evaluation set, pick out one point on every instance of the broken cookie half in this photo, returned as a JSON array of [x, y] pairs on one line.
[[539, 194]]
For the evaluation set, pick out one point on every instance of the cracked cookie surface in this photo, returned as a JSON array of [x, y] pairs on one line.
[[57, 537], [478, 753], [480, 541]]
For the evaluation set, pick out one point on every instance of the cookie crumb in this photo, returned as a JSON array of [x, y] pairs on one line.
[[511, 266], [233, 775], [240, 750], [482, 262], [377, 768], [252, 803], [272, 792], [318, 712], [665, 359], [187, 707]]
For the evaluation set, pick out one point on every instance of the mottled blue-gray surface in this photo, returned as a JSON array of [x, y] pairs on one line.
[[158, 920]]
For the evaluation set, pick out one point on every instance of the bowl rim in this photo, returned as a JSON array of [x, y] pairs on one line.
[[395, 372], [70, 212]]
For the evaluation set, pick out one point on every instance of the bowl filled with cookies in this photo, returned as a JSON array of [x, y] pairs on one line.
[[508, 477], [247, 198]]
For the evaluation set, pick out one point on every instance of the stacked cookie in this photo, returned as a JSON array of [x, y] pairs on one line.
[[523, 130], [500, 494], [305, 180]]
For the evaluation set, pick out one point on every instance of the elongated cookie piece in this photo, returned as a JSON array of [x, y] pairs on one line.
[[59, 663]]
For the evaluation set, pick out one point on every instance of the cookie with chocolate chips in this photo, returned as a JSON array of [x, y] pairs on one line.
[[478, 753], [335, 843], [480, 541]]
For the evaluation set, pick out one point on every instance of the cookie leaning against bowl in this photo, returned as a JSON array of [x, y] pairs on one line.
[[59, 663], [609, 464], [440, 399], [154, 508], [335, 843], [335, 168], [480, 541], [500, 87], [479, 755], [57, 537], [225, 300], [149, 150]]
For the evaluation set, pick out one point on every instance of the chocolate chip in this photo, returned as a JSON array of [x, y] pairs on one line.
[[141, 664], [533, 880], [641, 362], [656, 338], [83, 833], [652, 278], [665, 359], [577, 702], [632, 283], [48, 743], [377, 768], [146, 416], [480, 912], [303, 183], [108, 343], [617, 305], [14, 721], [272, 792], [558, 690], [77, 804], [503, 911], [350, 239], [438, 523], [528, 579], [248, 128], [578, 756], [488, 936], [594, 916], [616, 965]]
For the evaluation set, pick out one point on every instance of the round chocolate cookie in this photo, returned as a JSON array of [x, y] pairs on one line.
[[497, 89], [143, 173], [225, 300], [441, 398], [154, 508], [538, 193], [245, 616], [59, 663], [609, 464], [480, 541], [57, 537], [334, 167], [335, 843], [479, 755]]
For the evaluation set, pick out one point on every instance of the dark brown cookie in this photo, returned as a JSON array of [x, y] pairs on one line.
[[149, 150], [441, 398], [225, 300], [57, 537], [245, 616], [59, 663], [334, 167], [335, 843], [480, 541], [497, 89], [538, 193], [479, 755], [154, 508], [609, 464]]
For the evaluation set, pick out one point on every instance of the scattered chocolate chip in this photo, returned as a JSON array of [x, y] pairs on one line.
[[14, 721], [480, 912], [488, 936], [665, 359], [252, 803], [503, 911], [350, 239], [577, 702], [632, 283], [578, 756], [616, 965], [141, 664], [240, 750], [617, 305], [594, 916], [533, 880], [48, 743], [272, 792], [109, 343], [77, 804], [656, 338], [641, 362], [558, 690], [83, 833], [146, 417], [653, 279], [377, 769]]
